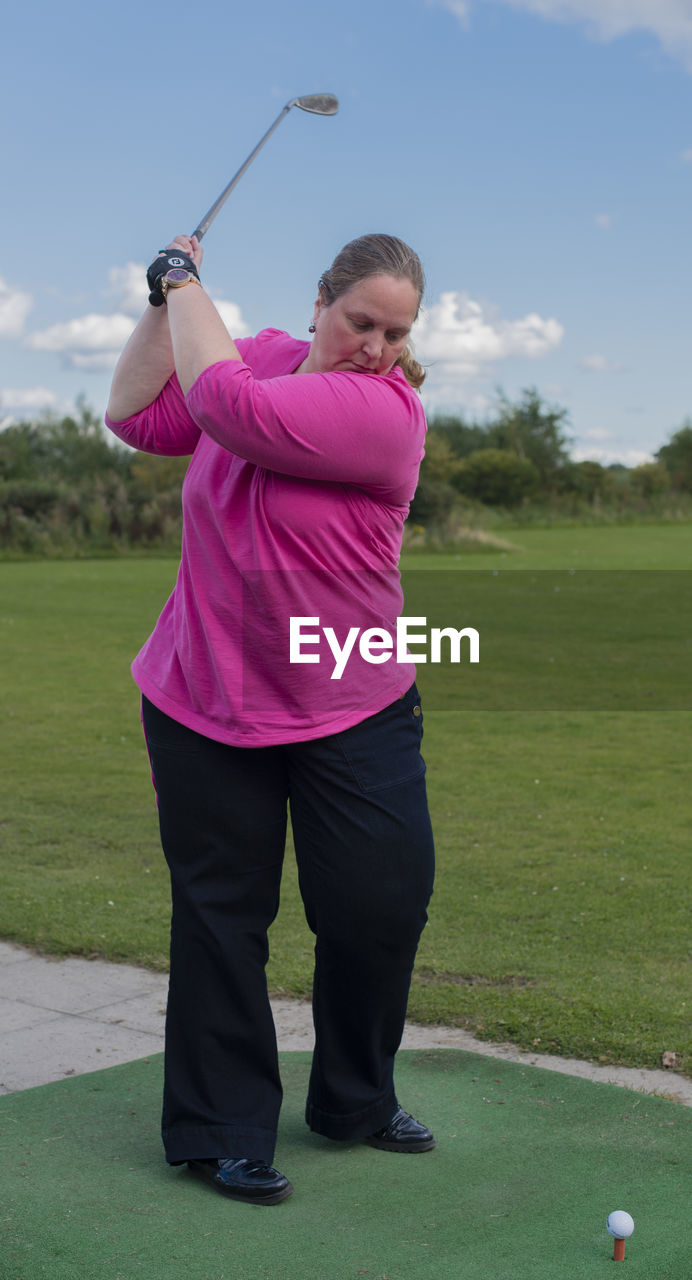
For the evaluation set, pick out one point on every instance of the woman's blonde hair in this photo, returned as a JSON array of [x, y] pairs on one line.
[[377, 255]]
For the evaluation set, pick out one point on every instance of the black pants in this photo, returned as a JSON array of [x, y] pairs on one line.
[[365, 861]]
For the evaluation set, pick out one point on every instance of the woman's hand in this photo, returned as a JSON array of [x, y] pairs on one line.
[[183, 251], [189, 245]]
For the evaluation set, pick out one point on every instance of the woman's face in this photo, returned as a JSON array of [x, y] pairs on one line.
[[365, 329]]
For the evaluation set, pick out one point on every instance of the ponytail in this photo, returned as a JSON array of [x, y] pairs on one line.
[[413, 372]]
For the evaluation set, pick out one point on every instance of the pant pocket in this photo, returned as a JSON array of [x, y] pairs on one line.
[[384, 750]]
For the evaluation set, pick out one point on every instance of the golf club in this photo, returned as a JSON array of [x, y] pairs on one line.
[[319, 104]]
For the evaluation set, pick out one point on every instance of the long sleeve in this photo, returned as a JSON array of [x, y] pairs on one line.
[[164, 427], [294, 502], [353, 428]]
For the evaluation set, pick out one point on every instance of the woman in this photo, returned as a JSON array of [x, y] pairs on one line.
[[305, 457]]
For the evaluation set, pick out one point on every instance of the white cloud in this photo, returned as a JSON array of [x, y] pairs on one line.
[[599, 364], [597, 433], [670, 21], [467, 337], [686, 155], [14, 309], [128, 285], [90, 342], [18, 402], [628, 457], [232, 317], [604, 221], [28, 398], [93, 342], [460, 8]]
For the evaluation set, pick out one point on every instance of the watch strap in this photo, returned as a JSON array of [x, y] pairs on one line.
[[160, 266], [178, 284]]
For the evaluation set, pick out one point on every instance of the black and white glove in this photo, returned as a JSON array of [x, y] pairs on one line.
[[167, 259]]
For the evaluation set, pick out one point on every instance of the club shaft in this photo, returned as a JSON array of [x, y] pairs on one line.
[[218, 204]]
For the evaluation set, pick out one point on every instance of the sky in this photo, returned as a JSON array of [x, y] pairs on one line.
[[537, 154]]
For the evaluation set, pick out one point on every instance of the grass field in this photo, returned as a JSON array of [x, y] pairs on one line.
[[561, 912], [663, 546]]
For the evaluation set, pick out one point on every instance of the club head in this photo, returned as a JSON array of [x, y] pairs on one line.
[[320, 104]]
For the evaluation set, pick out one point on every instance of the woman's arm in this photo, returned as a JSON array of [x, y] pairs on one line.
[[144, 367], [198, 334], [164, 426], [148, 361], [354, 428]]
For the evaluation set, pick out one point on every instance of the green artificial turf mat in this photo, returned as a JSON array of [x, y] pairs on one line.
[[528, 1165]]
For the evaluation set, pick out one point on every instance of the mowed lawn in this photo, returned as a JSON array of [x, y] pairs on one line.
[[561, 913]]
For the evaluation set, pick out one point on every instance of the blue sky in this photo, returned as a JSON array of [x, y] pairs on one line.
[[536, 153]]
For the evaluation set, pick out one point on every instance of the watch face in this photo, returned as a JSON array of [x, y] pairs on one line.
[[178, 275]]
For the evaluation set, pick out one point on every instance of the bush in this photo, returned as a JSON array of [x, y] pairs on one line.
[[590, 480], [496, 477], [649, 480], [33, 498]]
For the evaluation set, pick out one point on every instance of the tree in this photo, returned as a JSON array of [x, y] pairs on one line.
[[534, 432], [676, 457], [461, 437], [79, 447], [435, 495], [23, 452], [70, 449]]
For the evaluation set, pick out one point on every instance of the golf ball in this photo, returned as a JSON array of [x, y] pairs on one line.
[[620, 1224]]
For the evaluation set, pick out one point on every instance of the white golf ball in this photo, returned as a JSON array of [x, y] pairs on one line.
[[620, 1224]]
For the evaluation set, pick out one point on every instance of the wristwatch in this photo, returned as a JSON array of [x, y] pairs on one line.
[[176, 278]]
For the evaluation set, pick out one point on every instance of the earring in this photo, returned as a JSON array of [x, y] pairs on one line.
[[311, 328]]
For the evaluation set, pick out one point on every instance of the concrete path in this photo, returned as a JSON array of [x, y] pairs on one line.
[[61, 1018]]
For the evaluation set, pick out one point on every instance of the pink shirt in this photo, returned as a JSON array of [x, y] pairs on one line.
[[293, 506]]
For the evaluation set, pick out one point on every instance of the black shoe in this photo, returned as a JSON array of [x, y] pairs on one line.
[[403, 1133], [249, 1180]]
